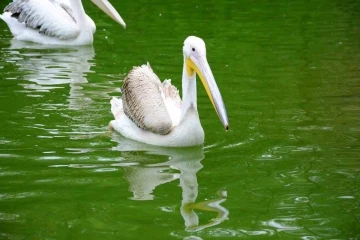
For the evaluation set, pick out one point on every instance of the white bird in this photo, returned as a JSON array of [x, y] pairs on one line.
[[152, 112], [60, 22]]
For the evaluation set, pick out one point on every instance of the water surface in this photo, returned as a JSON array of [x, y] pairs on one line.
[[287, 169]]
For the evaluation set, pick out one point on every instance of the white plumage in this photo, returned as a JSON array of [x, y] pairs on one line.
[[61, 22]]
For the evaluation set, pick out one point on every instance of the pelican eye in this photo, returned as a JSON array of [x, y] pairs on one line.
[[193, 49]]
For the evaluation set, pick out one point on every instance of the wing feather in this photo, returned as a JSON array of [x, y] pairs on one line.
[[143, 100], [47, 16]]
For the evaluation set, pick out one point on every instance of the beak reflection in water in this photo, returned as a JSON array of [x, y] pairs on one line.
[[144, 178]]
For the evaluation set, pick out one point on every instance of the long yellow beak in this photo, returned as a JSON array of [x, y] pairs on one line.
[[109, 10], [202, 68]]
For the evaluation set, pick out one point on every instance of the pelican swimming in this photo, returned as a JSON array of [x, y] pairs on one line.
[[60, 22], [152, 112]]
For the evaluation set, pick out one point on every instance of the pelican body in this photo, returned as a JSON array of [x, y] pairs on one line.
[[56, 22], [152, 112]]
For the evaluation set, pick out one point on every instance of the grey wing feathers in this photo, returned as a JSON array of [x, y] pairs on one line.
[[47, 16], [68, 10], [143, 100]]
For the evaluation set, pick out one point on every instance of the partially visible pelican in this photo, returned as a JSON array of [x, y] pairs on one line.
[[152, 112], [60, 22]]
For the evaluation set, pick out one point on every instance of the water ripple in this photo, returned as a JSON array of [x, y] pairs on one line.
[[283, 224], [8, 216]]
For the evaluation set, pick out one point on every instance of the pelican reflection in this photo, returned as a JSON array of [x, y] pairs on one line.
[[182, 164], [49, 67]]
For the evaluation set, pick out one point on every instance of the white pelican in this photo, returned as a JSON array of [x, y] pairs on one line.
[[152, 112], [60, 22]]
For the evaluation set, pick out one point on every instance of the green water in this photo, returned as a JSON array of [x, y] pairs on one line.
[[289, 168]]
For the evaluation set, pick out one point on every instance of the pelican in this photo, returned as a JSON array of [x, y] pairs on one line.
[[57, 22], [152, 112]]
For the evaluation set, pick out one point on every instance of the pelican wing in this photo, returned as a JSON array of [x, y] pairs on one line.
[[145, 100], [47, 16]]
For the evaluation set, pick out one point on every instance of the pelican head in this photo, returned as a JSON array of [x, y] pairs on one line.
[[195, 59], [110, 11]]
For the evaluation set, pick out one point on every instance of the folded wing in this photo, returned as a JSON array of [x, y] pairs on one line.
[[49, 17], [144, 99]]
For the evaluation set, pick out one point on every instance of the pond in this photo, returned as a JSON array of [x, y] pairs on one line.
[[288, 168]]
